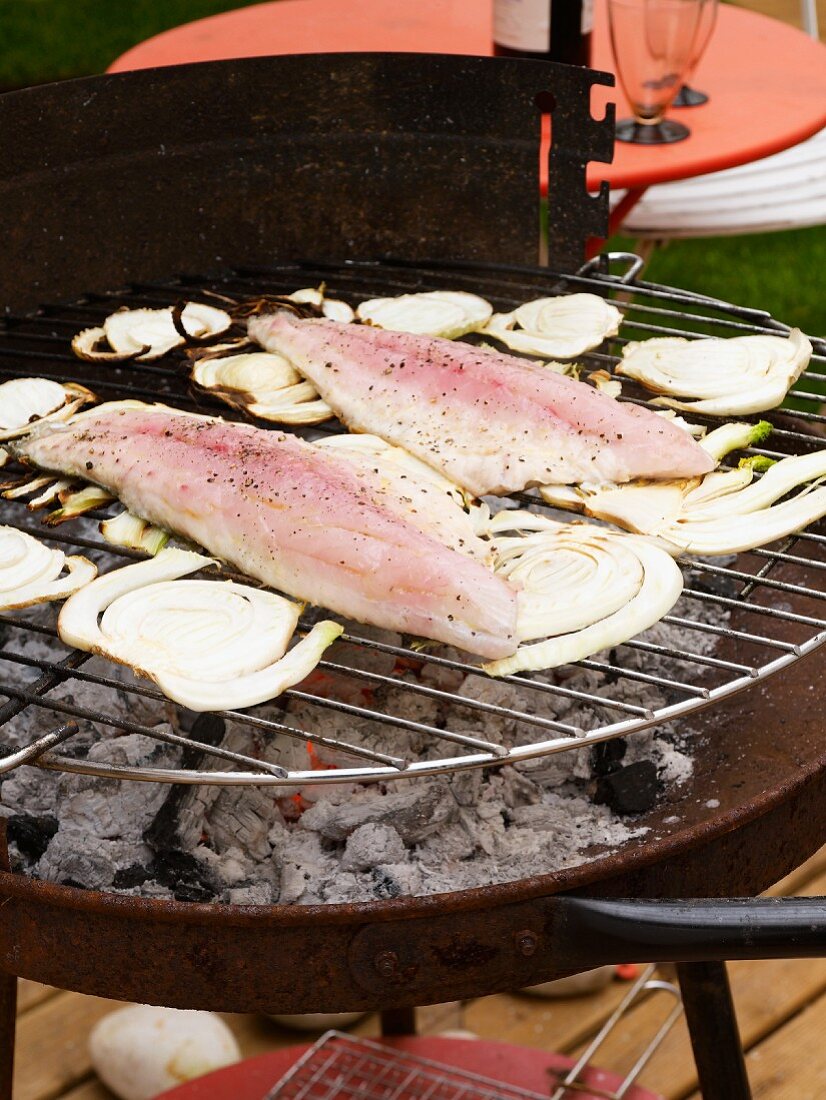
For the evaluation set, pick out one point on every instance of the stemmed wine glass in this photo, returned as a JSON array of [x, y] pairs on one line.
[[653, 43], [690, 97]]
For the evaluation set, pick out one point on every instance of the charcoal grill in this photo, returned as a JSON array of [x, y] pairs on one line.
[[106, 202]]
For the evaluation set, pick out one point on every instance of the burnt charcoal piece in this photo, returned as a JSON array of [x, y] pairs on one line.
[[193, 893], [31, 834], [127, 877], [386, 886], [633, 789], [181, 872], [714, 583], [607, 757], [162, 833]]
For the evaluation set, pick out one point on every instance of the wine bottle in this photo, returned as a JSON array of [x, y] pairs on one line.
[[550, 30]]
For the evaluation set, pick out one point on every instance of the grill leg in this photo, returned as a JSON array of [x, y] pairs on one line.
[[8, 999], [8, 1015], [712, 1026], [395, 1021]]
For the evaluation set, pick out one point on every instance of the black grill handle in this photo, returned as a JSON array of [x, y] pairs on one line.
[[641, 930]]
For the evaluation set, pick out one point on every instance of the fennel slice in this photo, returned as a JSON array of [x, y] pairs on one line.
[[718, 377], [26, 403], [207, 644], [601, 586], [263, 384], [445, 313], [561, 327], [30, 573]]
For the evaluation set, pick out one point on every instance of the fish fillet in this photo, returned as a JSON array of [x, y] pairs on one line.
[[290, 515], [493, 423]]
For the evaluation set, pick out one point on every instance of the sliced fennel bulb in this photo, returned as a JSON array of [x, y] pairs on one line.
[[718, 377], [207, 644], [582, 588]]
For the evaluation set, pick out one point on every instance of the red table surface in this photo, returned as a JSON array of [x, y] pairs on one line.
[[767, 80], [520, 1066]]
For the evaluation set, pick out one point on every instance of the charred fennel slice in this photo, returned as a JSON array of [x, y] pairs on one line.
[[144, 334], [581, 588], [207, 644], [264, 384], [718, 377], [32, 573]]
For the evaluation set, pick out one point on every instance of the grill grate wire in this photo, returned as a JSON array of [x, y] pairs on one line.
[[761, 586]]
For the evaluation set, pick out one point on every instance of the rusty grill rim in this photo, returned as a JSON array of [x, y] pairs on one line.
[[397, 276]]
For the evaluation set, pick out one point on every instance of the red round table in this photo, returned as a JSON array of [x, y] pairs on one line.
[[520, 1067], [767, 80]]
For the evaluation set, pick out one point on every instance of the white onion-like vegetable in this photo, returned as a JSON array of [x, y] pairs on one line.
[[725, 512], [74, 503], [28, 485], [604, 382], [148, 333], [208, 645], [50, 493], [264, 384], [30, 572], [27, 402], [730, 377], [141, 1051], [581, 587], [332, 308], [445, 313], [134, 533], [735, 436], [561, 327], [91, 344]]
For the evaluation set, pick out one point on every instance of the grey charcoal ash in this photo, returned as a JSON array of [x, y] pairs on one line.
[[414, 810], [102, 821], [372, 845], [339, 842]]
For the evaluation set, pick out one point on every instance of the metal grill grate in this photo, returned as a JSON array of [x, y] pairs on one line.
[[776, 593]]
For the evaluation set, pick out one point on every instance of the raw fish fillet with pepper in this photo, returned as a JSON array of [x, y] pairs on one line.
[[291, 515], [493, 423]]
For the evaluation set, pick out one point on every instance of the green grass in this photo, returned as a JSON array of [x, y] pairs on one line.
[[780, 272], [43, 40]]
